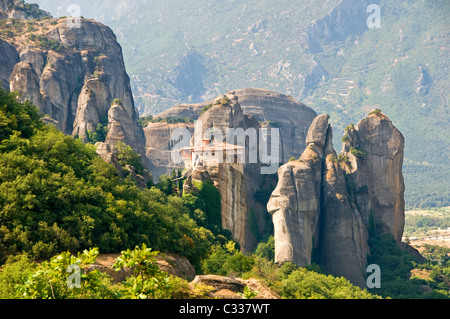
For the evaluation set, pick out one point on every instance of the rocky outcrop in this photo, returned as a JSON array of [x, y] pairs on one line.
[[159, 144], [325, 206], [74, 74], [176, 265], [233, 180], [110, 153], [343, 238], [290, 116], [375, 149], [234, 202], [233, 288], [122, 126], [8, 59], [18, 9], [172, 264], [295, 202]]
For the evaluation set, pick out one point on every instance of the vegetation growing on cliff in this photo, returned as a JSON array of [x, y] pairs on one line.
[[358, 153], [145, 120], [100, 133]]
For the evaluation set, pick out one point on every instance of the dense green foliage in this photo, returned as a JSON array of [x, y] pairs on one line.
[[15, 272], [303, 284], [51, 279], [31, 9], [148, 280], [266, 249], [226, 260], [288, 280], [99, 135], [127, 156], [437, 267], [66, 276], [204, 207], [46, 43], [396, 266], [57, 194], [18, 117], [211, 197]]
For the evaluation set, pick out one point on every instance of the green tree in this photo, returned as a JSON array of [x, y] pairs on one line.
[[127, 156], [14, 273], [51, 279], [226, 259], [304, 284], [211, 197], [148, 281], [267, 249], [57, 194]]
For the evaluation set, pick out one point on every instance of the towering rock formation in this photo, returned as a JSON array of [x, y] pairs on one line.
[[8, 59], [122, 126], [325, 205], [72, 71], [295, 202], [244, 109], [231, 179], [278, 110], [343, 246], [375, 150], [159, 144]]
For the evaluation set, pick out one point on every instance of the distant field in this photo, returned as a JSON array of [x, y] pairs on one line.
[[422, 225]]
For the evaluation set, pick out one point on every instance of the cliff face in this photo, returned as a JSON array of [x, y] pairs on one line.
[[235, 182], [295, 202], [325, 205], [159, 145], [343, 235], [8, 59], [375, 149], [290, 116], [234, 202], [72, 74]]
